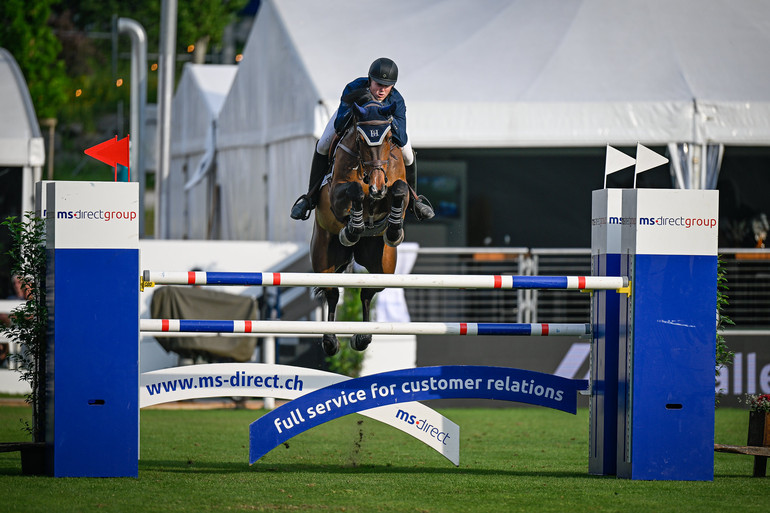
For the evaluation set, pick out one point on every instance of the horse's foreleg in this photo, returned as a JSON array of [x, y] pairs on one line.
[[330, 343], [361, 342], [352, 231], [394, 234]]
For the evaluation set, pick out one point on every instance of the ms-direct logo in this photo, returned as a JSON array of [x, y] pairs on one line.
[[423, 425], [681, 221], [105, 215]]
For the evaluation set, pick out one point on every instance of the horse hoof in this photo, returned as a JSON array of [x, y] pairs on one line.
[[345, 241], [393, 243], [360, 342], [331, 345]]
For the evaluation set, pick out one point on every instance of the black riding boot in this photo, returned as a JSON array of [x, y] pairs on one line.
[[420, 206], [307, 202]]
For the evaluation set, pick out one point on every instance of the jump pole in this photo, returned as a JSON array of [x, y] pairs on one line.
[[364, 280], [362, 328]]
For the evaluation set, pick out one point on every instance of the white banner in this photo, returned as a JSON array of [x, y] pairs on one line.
[[286, 382]]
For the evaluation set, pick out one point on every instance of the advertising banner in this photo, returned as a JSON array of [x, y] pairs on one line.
[[285, 382], [404, 386]]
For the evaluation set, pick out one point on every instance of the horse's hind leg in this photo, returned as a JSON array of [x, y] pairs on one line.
[[394, 234], [362, 341], [330, 343], [327, 255], [377, 258]]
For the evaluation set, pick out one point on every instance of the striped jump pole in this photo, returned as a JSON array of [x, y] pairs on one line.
[[365, 280], [362, 328]]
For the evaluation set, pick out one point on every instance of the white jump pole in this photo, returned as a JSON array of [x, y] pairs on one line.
[[362, 328], [365, 280]]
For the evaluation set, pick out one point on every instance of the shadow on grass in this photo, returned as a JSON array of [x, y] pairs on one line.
[[219, 467]]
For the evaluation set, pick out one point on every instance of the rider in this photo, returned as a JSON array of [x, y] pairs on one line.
[[383, 74]]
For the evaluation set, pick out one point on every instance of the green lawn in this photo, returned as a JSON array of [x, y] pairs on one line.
[[513, 459]]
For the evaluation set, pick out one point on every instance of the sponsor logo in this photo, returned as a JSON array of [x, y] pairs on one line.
[[423, 425], [239, 379], [601, 221], [104, 215], [681, 221]]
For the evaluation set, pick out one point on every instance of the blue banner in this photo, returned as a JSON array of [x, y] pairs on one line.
[[401, 386]]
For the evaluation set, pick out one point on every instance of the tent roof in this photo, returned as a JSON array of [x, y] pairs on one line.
[[548, 72], [196, 105], [20, 141], [214, 81]]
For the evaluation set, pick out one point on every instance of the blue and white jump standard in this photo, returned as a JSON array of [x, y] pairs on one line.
[[605, 262], [667, 351], [92, 406]]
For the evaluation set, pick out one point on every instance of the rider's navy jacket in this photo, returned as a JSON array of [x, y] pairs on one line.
[[399, 117]]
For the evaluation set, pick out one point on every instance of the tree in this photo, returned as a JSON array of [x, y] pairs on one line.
[[201, 22], [27, 35]]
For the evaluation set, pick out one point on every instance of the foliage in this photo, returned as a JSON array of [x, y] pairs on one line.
[[25, 32], [196, 21], [348, 361], [95, 59], [29, 322], [757, 402], [65, 51], [723, 354]]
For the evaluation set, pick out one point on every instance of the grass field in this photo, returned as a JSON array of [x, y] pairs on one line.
[[513, 459]]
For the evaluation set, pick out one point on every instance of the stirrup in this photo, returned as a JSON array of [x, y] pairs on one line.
[[306, 208], [424, 203]]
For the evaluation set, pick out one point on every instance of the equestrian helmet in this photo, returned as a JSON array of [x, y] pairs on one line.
[[384, 71]]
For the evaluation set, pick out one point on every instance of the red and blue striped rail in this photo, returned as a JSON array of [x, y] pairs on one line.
[[362, 328], [365, 280]]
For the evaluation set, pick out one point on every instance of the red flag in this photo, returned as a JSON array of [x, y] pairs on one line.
[[112, 152]]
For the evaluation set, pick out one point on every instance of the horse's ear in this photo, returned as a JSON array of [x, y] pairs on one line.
[[361, 111], [388, 111]]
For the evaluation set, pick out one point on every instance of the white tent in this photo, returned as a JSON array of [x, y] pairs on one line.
[[690, 74], [191, 194], [266, 137], [21, 145]]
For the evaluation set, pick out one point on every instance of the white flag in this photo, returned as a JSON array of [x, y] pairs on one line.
[[615, 161], [646, 159]]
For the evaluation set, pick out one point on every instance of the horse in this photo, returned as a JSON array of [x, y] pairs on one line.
[[361, 208]]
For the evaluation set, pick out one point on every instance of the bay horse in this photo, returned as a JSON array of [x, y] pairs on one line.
[[361, 208]]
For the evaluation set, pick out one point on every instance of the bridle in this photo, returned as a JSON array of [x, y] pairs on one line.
[[366, 167]]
